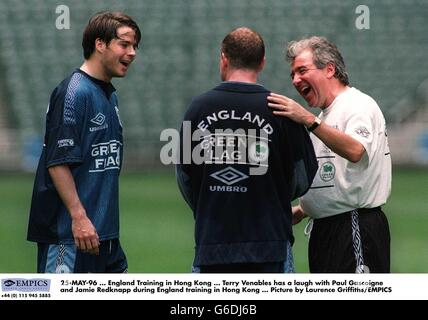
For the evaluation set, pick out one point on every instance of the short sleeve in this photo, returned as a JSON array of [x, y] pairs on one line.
[[360, 126], [65, 124]]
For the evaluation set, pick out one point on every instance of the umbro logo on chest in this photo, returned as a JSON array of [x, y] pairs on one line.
[[100, 121]]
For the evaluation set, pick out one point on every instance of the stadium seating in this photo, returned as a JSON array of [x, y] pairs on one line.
[[179, 54]]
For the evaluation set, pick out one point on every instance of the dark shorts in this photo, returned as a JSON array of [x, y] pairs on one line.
[[65, 258], [352, 242]]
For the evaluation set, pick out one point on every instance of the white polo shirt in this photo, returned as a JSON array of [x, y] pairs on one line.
[[341, 185]]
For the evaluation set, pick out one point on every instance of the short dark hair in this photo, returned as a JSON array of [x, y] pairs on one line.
[[244, 48], [324, 52], [104, 25]]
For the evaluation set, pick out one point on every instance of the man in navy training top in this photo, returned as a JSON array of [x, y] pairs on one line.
[[74, 215], [246, 167]]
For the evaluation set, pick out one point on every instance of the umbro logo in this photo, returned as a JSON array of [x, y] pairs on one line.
[[362, 131], [229, 176], [99, 119]]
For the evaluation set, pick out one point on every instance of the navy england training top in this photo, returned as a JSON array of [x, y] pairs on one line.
[[240, 168], [83, 130]]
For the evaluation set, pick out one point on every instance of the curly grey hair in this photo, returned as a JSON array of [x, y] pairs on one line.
[[324, 52]]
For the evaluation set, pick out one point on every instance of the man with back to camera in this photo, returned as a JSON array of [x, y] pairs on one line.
[[350, 233], [252, 165], [74, 215]]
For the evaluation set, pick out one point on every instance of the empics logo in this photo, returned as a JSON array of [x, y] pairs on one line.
[[99, 120], [229, 176], [25, 285]]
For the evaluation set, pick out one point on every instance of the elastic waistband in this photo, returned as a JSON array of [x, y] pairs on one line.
[[365, 210], [345, 215]]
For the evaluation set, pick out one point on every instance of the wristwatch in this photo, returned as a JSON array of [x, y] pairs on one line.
[[314, 125]]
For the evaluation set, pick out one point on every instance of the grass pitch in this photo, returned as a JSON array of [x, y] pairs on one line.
[[157, 225]]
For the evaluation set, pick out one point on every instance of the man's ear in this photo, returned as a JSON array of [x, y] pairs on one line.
[[330, 69], [100, 45], [223, 60]]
